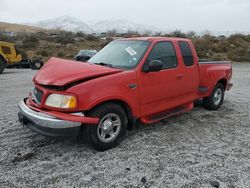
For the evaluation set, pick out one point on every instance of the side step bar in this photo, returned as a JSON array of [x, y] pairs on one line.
[[163, 115]]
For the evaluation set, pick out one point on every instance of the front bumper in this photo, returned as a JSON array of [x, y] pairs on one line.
[[49, 125]]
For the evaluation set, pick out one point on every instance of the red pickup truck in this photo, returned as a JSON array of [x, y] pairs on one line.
[[145, 79]]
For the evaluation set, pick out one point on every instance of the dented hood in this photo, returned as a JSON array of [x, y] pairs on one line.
[[60, 72]]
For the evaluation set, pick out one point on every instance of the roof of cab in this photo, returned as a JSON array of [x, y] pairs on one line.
[[157, 39]]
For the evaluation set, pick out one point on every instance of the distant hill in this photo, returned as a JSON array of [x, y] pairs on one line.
[[66, 23], [70, 23], [122, 26], [10, 27]]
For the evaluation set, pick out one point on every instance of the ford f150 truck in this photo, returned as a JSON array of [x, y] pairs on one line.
[[146, 79]]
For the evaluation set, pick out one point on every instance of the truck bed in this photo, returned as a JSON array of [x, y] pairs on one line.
[[213, 62], [212, 71]]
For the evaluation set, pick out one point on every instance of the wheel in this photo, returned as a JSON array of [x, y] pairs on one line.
[[2, 65], [111, 127], [214, 101]]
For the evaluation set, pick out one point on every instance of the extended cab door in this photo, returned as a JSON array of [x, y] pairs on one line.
[[161, 90], [190, 70]]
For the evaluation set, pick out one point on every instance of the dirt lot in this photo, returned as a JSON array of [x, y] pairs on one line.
[[197, 149]]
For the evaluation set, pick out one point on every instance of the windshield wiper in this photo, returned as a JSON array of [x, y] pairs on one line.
[[104, 64]]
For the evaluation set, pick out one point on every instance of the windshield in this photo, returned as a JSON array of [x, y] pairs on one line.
[[121, 54]]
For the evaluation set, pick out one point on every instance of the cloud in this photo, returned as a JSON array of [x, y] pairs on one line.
[[215, 15]]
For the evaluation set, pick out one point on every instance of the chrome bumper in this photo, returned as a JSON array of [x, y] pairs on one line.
[[45, 124], [45, 120]]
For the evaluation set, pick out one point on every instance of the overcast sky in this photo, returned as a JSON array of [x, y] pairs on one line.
[[197, 15]]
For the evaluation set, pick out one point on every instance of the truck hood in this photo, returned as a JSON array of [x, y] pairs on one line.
[[61, 72]]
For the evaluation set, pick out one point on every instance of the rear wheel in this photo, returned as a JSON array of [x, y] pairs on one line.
[[111, 127], [2, 65], [214, 101]]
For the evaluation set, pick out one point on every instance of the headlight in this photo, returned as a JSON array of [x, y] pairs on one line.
[[61, 101]]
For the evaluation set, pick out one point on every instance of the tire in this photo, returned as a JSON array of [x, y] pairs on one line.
[[2, 65], [110, 129], [215, 100]]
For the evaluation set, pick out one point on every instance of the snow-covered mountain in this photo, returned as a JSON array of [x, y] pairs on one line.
[[122, 26], [69, 23]]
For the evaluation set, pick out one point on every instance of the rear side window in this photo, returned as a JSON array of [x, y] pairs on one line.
[[6, 50], [186, 53], [165, 52]]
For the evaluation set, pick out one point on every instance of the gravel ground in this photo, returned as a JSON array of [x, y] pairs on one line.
[[196, 149]]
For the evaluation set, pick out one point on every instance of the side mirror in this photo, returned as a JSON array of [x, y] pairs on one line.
[[154, 66]]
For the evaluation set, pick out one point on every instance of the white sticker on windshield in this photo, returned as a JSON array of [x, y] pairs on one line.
[[131, 51]]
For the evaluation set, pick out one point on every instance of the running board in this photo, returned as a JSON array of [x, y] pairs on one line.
[[163, 115]]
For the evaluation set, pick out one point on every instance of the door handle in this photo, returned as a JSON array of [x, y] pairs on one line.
[[179, 76]]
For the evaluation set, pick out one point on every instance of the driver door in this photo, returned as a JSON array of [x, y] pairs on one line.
[[161, 90]]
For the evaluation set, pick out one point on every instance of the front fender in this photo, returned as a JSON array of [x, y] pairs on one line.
[[108, 88], [116, 97]]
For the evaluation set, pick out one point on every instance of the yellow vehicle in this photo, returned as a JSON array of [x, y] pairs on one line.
[[9, 57]]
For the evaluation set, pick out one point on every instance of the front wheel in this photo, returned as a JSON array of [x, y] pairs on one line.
[[111, 127], [214, 101]]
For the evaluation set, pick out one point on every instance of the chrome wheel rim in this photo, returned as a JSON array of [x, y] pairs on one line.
[[109, 128], [217, 96]]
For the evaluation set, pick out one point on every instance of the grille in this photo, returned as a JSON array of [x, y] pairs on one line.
[[38, 94]]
